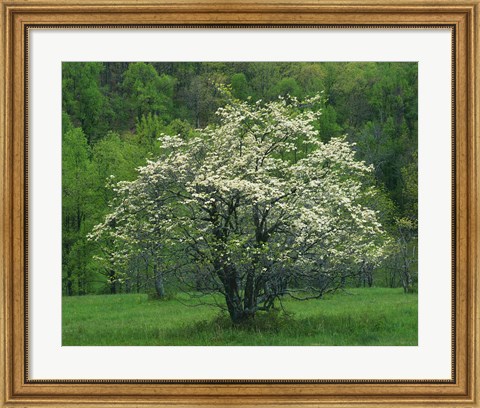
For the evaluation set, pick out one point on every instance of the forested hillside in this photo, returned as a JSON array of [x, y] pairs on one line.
[[114, 114]]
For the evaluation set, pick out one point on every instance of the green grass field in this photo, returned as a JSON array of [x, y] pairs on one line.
[[356, 317]]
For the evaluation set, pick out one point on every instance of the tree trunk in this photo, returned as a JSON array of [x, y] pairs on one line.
[[370, 279], [233, 300], [234, 306], [69, 285], [113, 283], [159, 288], [250, 301]]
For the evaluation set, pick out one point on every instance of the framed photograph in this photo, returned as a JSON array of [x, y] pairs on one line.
[[240, 204]]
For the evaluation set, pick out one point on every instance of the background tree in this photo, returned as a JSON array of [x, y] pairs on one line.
[[146, 91], [75, 203], [240, 87], [83, 99]]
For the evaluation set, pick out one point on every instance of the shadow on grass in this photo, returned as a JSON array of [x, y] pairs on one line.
[[280, 329]]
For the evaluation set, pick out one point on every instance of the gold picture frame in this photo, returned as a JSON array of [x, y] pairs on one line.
[[463, 390]]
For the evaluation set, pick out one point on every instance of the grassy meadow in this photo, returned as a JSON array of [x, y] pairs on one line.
[[354, 317]]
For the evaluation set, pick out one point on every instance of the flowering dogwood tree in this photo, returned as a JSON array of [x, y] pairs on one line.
[[255, 207]]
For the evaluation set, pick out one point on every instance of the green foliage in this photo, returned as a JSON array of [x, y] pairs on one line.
[[264, 76], [202, 98], [329, 126], [287, 87], [83, 98], [114, 157], [148, 130], [240, 88], [147, 92], [410, 188], [76, 194]]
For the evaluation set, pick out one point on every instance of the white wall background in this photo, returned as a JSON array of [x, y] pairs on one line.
[[430, 360]]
